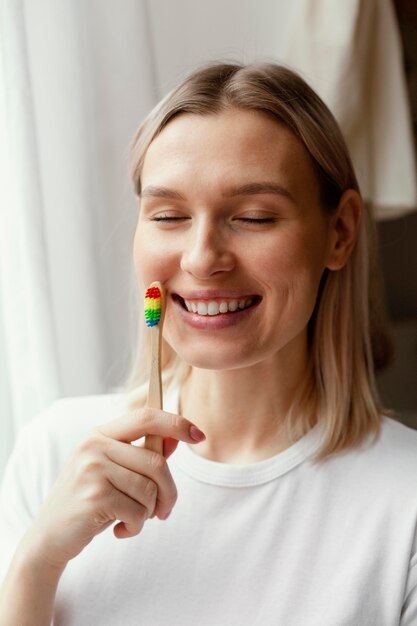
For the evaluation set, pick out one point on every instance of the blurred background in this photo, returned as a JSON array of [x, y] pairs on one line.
[[77, 77]]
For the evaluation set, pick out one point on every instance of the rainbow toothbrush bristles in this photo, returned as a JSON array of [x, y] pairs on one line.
[[153, 306]]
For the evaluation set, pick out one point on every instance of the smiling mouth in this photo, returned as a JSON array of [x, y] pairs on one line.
[[218, 306]]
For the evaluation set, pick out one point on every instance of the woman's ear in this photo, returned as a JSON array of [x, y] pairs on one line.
[[345, 224]]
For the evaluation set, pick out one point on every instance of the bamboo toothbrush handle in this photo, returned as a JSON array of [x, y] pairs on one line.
[[155, 442]]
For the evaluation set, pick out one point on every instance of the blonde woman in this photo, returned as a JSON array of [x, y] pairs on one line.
[[283, 496]]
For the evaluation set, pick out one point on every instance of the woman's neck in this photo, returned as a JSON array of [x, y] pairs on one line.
[[242, 411]]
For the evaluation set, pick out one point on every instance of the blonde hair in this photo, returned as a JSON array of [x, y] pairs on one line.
[[347, 334]]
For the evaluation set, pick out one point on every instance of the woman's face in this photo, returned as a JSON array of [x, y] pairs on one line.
[[229, 218]]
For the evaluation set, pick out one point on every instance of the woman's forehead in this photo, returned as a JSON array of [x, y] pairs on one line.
[[234, 127], [231, 145]]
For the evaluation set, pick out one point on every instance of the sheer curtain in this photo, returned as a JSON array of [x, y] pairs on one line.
[[351, 53], [75, 80]]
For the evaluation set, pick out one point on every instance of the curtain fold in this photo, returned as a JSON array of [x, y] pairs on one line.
[[350, 52], [77, 79], [29, 329]]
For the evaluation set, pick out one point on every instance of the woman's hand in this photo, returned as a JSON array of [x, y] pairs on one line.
[[109, 479]]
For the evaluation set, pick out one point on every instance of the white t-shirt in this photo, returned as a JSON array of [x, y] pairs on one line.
[[278, 542]]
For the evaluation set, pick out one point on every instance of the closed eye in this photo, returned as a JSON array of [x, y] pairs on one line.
[[159, 218], [257, 220]]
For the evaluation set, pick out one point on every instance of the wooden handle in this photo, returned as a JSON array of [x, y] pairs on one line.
[[155, 442]]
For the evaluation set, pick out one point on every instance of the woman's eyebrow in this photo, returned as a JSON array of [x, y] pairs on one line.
[[249, 189], [153, 191], [259, 188]]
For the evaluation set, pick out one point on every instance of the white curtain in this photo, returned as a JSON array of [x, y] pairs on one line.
[[351, 53], [75, 78]]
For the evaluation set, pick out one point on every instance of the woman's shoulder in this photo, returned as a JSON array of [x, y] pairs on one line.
[[67, 421], [399, 446], [395, 443], [399, 440], [83, 412], [388, 462]]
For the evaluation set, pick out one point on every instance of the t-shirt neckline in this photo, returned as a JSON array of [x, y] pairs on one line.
[[242, 475]]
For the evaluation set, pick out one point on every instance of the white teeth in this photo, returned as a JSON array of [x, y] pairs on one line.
[[214, 308]]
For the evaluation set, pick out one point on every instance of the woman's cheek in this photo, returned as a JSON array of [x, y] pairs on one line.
[[153, 258], [146, 258]]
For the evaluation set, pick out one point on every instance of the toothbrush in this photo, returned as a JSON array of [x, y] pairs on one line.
[[154, 317]]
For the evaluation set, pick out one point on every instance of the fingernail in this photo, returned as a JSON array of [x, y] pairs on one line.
[[196, 434]]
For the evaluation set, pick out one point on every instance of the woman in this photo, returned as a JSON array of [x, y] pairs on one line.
[[298, 503]]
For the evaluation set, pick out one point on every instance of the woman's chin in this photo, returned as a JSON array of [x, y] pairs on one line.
[[203, 362], [219, 353], [217, 360]]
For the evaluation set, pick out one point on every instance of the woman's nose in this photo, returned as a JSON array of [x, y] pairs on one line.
[[206, 253]]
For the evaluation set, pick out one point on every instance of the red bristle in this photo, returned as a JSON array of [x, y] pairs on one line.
[[153, 292]]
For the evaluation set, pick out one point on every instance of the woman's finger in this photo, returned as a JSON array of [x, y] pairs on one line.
[[131, 514], [150, 466], [139, 488], [170, 445], [146, 421]]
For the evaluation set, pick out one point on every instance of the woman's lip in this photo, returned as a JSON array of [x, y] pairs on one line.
[[213, 322]]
